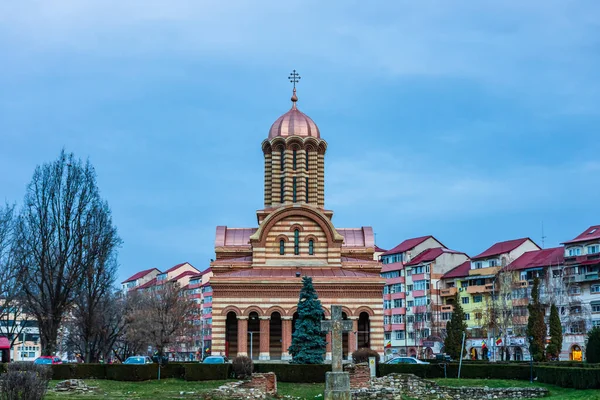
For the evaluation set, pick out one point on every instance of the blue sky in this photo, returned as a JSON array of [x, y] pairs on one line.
[[473, 121]]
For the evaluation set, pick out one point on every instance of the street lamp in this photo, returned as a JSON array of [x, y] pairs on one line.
[[530, 339]]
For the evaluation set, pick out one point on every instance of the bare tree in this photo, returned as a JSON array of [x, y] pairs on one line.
[[161, 315], [13, 319], [64, 233]]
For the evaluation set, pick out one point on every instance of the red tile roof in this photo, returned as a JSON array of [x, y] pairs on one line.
[[591, 233], [184, 274], [140, 274], [173, 268], [379, 249], [538, 258], [291, 273], [150, 283], [458, 272], [408, 244], [500, 248], [430, 255]]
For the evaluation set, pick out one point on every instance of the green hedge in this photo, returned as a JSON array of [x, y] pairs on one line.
[[470, 371], [298, 373], [206, 372], [577, 378]]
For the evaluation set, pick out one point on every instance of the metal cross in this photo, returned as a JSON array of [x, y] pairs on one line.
[[337, 326], [294, 78]]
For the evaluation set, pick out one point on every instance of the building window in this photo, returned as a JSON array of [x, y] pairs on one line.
[[478, 265], [595, 306], [282, 158], [399, 335], [388, 336], [477, 298], [397, 303], [593, 249], [397, 319], [467, 316], [306, 187], [311, 247], [574, 290], [282, 247], [296, 242], [294, 159], [595, 289], [281, 194], [387, 304], [410, 303], [294, 189], [464, 300], [409, 288], [386, 319], [574, 251]]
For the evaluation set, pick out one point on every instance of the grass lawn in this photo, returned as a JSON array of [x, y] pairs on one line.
[[171, 389], [556, 392]]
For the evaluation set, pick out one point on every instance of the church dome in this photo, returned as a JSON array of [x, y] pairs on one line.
[[294, 123]]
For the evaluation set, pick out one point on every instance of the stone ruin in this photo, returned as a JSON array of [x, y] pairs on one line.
[[260, 386], [73, 385], [395, 386]]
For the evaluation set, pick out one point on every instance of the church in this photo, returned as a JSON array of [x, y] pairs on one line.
[[257, 271]]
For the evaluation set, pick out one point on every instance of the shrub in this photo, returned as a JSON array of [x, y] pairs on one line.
[[362, 355], [592, 351], [577, 378], [206, 372], [132, 372], [297, 373], [24, 381], [242, 367], [472, 371]]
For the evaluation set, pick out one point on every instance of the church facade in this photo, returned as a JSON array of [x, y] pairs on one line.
[[257, 271]]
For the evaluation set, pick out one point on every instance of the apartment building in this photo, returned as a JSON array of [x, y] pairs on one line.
[[475, 282], [411, 295], [139, 279], [200, 291]]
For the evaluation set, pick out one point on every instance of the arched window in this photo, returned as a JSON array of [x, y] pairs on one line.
[[282, 158], [306, 165], [311, 247], [282, 189], [306, 187], [282, 247], [296, 242], [294, 160], [294, 190]]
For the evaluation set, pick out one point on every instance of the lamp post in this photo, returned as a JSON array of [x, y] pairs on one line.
[[530, 339]]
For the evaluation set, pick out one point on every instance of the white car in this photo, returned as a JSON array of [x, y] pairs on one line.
[[405, 360]]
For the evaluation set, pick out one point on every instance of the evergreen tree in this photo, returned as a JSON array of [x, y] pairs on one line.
[[592, 348], [454, 330], [308, 341], [536, 326], [556, 338]]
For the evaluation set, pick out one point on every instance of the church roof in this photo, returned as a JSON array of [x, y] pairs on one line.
[[294, 123]]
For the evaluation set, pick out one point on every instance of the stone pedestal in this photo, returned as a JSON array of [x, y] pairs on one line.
[[337, 386]]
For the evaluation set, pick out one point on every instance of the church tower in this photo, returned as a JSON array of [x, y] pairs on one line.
[[294, 160]]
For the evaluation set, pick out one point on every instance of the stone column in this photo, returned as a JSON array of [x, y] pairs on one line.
[[286, 337], [265, 339], [352, 337], [242, 336]]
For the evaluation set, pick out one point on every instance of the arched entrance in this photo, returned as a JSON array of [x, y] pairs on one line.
[[412, 353], [428, 353], [231, 335], [364, 329], [518, 354], [345, 339], [275, 336], [575, 354], [253, 335], [473, 353]]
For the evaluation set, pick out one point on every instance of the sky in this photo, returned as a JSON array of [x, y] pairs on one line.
[[473, 121]]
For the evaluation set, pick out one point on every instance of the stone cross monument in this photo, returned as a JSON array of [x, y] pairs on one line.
[[337, 382]]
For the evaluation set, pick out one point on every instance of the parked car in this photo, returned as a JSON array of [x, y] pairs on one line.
[[405, 360], [48, 360], [138, 360], [215, 360]]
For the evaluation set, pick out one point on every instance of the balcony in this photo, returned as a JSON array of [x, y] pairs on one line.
[[448, 292], [476, 289], [590, 276], [521, 284], [489, 288], [484, 271], [447, 308]]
